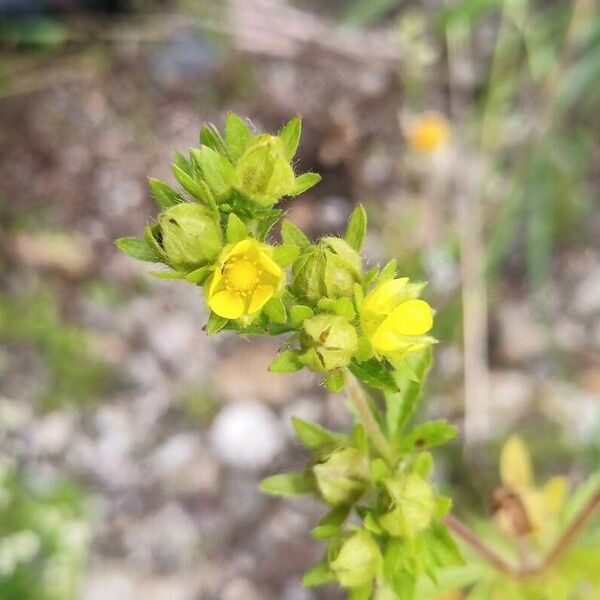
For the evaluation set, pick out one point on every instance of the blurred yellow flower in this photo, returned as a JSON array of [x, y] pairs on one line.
[[245, 279], [395, 320], [517, 475], [428, 132]]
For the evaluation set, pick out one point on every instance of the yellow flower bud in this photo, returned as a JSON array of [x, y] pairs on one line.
[[428, 132], [245, 279]]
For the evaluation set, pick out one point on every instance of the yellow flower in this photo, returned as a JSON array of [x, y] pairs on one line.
[[541, 504], [395, 320], [245, 279], [428, 132]]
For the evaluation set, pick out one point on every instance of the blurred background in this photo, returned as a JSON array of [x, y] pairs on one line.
[[132, 444]]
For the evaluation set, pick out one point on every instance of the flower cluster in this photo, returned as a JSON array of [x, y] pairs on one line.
[[351, 325]]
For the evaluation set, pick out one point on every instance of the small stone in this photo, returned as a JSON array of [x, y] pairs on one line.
[[241, 589], [51, 434], [246, 435], [569, 335], [511, 394], [586, 299], [521, 337]]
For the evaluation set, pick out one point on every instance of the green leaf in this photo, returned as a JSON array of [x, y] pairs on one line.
[[199, 276], [304, 182], [357, 228], [236, 229], [188, 184], [215, 323], [299, 313], [360, 593], [286, 362], [217, 171], [314, 436], [331, 523], [210, 136], [427, 435], [288, 484], [388, 272], [317, 575], [290, 137], [401, 405], [443, 505], [164, 195], [137, 248], [267, 220], [340, 306], [167, 274], [275, 310], [183, 163], [422, 465], [379, 471], [290, 234], [373, 373], [285, 254], [237, 135], [334, 381]]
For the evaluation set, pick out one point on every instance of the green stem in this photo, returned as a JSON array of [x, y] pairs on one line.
[[368, 420]]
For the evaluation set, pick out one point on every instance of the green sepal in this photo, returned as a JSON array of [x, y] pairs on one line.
[[370, 276], [299, 313], [199, 276], [268, 219], [137, 248], [285, 254], [335, 380], [288, 484], [290, 137], [331, 523], [315, 437], [360, 593], [422, 465], [210, 136], [150, 233], [304, 182], [167, 274], [286, 362], [359, 295], [340, 306], [379, 471], [163, 195], [291, 234], [183, 163], [318, 574], [275, 310], [217, 171], [357, 228], [236, 229], [215, 324], [365, 350], [373, 373], [388, 272], [443, 505], [370, 523], [237, 135], [188, 183]]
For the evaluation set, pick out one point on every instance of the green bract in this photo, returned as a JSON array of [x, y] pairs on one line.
[[342, 476], [358, 562]]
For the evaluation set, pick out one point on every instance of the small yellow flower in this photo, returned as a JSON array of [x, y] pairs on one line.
[[428, 132], [395, 320], [245, 279]]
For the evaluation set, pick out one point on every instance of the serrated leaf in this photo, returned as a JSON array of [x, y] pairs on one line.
[[237, 135], [314, 436], [236, 229], [267, 221], [286, 362], [137, 248], [335, 381], [285, 254], [290, 137], [401, 405], [357, 228], [317, 575], [290, 234], [373, 373], [288, 484], [215, 323], [163, 195], [304, 182], [299, 313], [275, 310], [427, 435]]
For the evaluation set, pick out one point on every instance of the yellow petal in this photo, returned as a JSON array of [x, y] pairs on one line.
[[413, 317], [269, 265], [240, 248], [385, 341], [382, 299], [262, 294], [555, 492], [215, 279], [227, 304], [515, 464]]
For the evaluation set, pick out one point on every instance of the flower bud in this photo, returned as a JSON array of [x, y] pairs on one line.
[[358, 562], [329, 270], [190, 235], [327, 342], [263, 172], [342, 477]]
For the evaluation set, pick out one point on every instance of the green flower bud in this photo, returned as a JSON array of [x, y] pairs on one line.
[[329, 270], [359, 561], [343, 475], [412, 506], [263, 172], [190, 235], [327, 342]]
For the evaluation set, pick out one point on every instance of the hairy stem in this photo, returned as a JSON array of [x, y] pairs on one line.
[[368, 420]]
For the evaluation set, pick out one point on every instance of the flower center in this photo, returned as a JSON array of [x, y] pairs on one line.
[[241, 274]]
